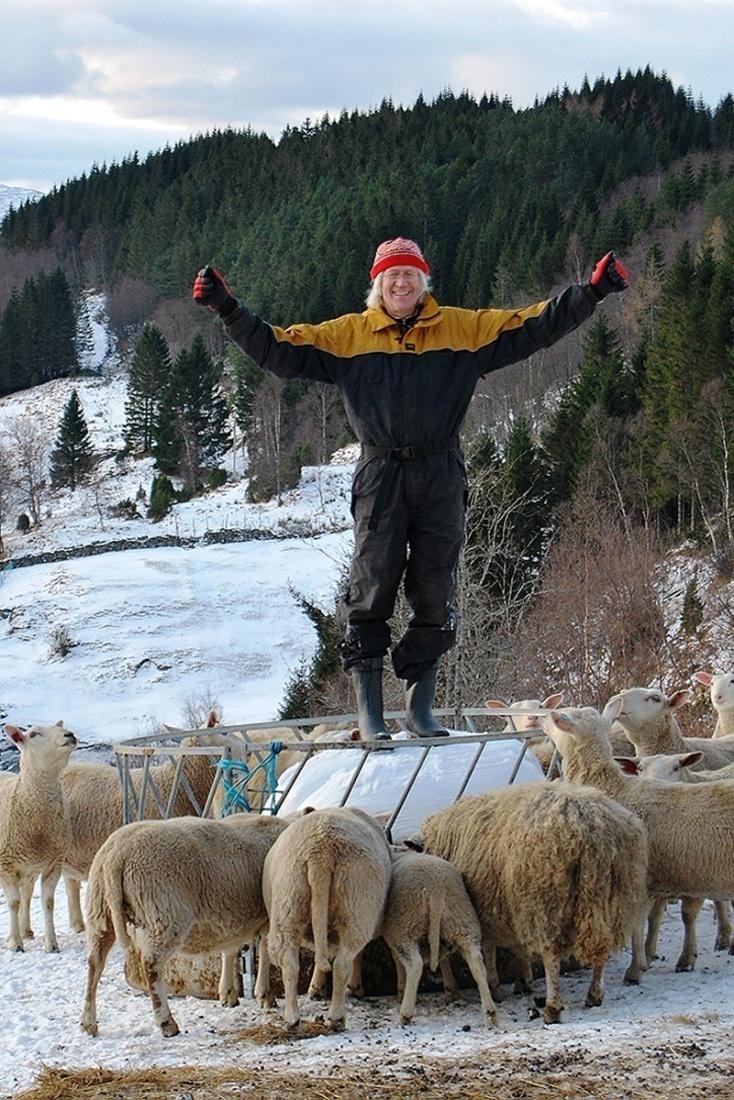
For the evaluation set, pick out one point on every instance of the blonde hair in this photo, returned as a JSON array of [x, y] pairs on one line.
[[374, 294]]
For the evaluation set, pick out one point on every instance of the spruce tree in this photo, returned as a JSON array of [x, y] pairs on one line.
[[149, 372], [72, 455]]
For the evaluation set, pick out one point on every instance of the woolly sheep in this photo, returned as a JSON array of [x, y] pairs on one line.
[[325, 883], [690, 827], [721, 691], [648, 718], [34, 826], [94, 798], [552, 871], [676, 768], [428, 914], [187, 885]]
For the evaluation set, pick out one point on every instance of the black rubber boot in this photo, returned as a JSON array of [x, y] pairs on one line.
[[419, 697], [367, 680]]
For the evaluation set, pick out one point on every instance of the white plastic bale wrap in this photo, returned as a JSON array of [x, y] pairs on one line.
[[385, 775]]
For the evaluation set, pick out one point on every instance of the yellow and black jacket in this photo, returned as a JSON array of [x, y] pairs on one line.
[[409, 387]]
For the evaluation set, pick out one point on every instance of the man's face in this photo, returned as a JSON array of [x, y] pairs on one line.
[[401, 287]]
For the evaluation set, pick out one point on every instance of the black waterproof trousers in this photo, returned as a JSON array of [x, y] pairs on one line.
[[418, 530]]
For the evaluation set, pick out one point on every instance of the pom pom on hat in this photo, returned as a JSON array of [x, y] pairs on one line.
[[398, 252]]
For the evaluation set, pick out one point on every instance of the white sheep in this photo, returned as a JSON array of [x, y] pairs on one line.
[[34, 826], [721, 691], [428, 914], [690, 827], [676, 768], [94, 799], [648, 718], [325, 884], [552, 871], [187, 885]]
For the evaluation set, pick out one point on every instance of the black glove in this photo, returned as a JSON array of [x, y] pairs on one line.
[[211, 290], [609, 276]]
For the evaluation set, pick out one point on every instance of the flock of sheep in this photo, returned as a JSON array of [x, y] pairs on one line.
[[562, 868]]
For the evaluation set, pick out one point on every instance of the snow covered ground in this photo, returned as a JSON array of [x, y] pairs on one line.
[[676, 1024]]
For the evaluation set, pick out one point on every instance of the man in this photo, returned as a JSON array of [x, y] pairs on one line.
[[407, 369]]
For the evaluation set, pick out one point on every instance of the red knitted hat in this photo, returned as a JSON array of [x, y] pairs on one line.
[[399, 252]]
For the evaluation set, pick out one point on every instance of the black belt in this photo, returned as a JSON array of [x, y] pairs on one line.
[[395, 455]]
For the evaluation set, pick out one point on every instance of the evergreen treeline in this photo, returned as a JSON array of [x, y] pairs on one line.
[[496, 196], [38, 334]]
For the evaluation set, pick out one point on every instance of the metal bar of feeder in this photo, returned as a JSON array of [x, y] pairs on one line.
[[518, 761], [355, 776], [143, 787], [306, 757], [212, 791], [174, 786], [401, 802], [470, 771], [123, 764]]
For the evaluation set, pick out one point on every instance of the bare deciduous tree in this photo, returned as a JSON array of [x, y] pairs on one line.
[[29, 446]]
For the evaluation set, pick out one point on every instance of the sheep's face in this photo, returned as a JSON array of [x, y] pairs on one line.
[[667, 768], [635, 707], [573, 726], [722, 691], [46, 748]]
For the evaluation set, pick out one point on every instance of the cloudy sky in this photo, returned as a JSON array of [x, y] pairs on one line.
[[85, 81]]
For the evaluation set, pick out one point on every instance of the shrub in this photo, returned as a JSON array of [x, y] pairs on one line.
[[23, 523], [216, 478], [162, 496], [60, 642], [125, 509]]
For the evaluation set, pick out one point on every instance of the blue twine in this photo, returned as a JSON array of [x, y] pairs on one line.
[[235, 796]]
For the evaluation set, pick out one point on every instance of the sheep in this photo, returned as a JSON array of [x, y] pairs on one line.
[[34, 826], [721, 690], [648, 718], [542, 747], [94, 798], [188, 885], [325, 884], [552, 870], [675, 768], [429, 913], [690, 827]]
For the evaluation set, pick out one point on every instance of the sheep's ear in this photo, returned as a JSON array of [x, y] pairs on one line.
[[630, 765], [15, 733], [413, 843], [688, 759], [678, 698], [60, 723], [563, 721], [553, 701], [308, 810], [355, 735], [702, 677], [613, 709], [495, 704]]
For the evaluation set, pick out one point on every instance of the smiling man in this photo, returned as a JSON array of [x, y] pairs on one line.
[[407, 368]]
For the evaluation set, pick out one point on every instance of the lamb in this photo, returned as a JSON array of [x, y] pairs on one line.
[[721, 690], [690, 827], [325, 884], [187, 885], [428, 914], [675, 768], [552, 870], [648, 718], [34, 827]]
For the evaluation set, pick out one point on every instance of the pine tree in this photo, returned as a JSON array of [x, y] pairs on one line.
[[191, 426], [72, 455], [149, 372]]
